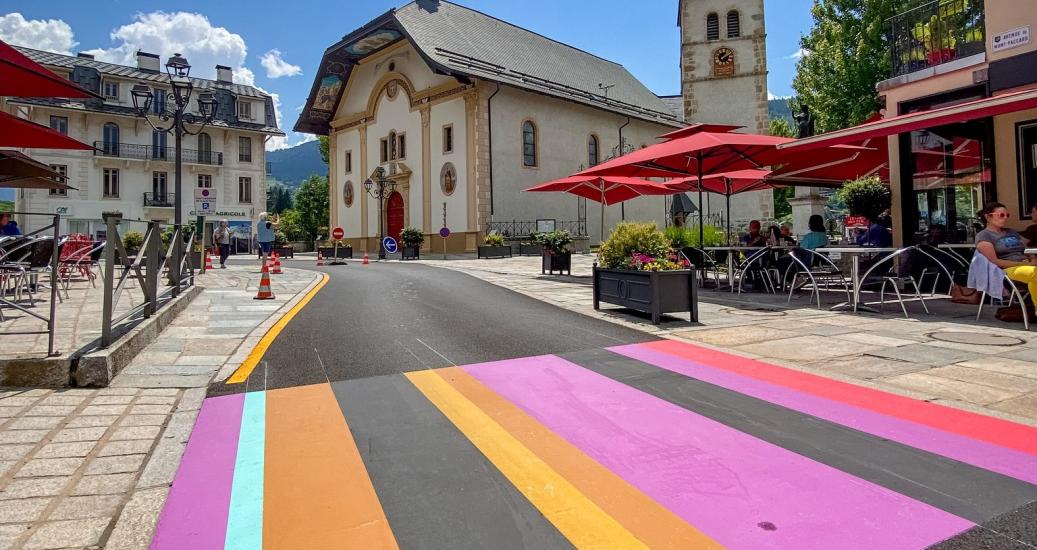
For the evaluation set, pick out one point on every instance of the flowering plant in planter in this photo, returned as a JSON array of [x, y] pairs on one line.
[[644, 262], [638, 247]]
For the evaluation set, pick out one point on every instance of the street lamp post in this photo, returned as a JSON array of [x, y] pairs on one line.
[[380, 187], [178, 119]]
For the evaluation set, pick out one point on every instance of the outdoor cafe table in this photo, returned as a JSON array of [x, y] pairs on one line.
[[953, 248], [855, 253]]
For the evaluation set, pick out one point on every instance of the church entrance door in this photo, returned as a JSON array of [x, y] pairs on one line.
[[394, 215]]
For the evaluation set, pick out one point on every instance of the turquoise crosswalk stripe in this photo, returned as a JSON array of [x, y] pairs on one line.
[[245, 521]]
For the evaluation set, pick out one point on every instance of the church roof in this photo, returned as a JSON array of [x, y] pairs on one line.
[[462, 42], [675, 103]]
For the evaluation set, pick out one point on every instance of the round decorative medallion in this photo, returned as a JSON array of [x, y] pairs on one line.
[[448, 179], [347, 193], [391, 89], [976, 338]]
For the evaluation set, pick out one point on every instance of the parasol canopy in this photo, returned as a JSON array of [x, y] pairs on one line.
[[18, 132], [23, 77]]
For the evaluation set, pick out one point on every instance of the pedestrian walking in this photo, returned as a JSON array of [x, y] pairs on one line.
[[222, 239], [265, 235]]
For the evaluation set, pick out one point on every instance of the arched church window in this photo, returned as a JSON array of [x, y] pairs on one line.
[[734, 24], [592, 150], [529, 144], [712, 27]]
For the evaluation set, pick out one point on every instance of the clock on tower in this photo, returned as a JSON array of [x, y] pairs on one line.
[[723, 62]]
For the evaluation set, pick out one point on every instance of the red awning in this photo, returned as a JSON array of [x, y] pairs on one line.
[[23, 77], [18, 132], [991, 106], [728, 183], [833, 166]]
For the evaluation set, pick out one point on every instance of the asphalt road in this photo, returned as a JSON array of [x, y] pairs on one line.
[[388, 318]]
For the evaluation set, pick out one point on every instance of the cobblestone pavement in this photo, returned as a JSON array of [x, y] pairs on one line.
[[948, 357], [82, 468]]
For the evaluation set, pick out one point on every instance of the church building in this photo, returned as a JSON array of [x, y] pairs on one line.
[[463, 111]]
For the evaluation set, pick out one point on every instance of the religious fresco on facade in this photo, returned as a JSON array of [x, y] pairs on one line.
[[373, 41], [327, 94]]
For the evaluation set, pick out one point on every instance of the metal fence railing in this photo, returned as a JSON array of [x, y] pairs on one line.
[[516, 228], [936, 32], [145, 266], [150, 152], [23, 259]]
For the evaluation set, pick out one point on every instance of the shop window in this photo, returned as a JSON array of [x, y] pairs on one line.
[[1027, 140], [63, 170]]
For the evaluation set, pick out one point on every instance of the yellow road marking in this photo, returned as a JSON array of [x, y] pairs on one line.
[[576, 516], [259, 351]]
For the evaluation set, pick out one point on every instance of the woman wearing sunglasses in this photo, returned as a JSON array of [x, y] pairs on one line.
[[1006, 247]]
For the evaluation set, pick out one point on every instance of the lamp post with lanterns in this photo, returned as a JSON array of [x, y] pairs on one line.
[[380, 187], [176, 121]]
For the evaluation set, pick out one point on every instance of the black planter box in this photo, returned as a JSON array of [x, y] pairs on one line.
[[494, 251], [530, 249], [652, 292], [284, 251], [329, 252], [557, 262], [411, 252]]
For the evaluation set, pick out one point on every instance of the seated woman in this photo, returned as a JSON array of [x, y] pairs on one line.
[[817, 237], [1005, 247]]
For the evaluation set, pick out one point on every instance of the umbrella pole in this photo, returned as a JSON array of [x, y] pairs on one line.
[[728, 211], [602, 184], [701, 206]]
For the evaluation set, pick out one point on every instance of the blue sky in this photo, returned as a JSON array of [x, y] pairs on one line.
[[644, 39]]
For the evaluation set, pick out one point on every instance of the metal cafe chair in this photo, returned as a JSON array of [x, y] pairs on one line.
[[703, 261], [815, 269], [755, 265], [897, 274], [1016, 291]]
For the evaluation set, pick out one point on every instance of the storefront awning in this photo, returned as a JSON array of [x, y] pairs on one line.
[[972, 110]]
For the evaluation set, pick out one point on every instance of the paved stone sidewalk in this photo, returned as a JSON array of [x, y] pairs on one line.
[[987, 366], [83, 468]]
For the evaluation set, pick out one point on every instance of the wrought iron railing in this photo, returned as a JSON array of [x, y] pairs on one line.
[[936, 32], [515, 228], [163, 200], [150, 152], [145, 265]]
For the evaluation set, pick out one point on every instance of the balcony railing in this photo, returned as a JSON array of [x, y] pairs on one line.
[[163, 200], [936, 32], [148, 152]]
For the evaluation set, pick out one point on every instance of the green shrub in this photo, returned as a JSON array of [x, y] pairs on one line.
[[412, 236], [494, 239], [133, 240], [556, 242], [629, 238], [867, 197], [680, 237], [280, 239]]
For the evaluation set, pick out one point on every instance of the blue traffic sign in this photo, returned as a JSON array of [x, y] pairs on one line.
[[444, 232], [389, 244]]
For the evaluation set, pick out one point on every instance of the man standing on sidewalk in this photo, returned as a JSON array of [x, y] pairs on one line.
[[222, 238], [265, 235]]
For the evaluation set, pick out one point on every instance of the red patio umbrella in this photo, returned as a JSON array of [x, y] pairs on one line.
[[23, 77], [603, 189], [18, 132], [726, 184], [699, 127], [696, 155], [833, 166]]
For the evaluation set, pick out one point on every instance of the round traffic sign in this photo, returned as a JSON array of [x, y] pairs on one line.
[[389, 244], [337, 233], [444, 232]]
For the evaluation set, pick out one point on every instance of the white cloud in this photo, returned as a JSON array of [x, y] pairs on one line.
[[189, 34], [771, 96], [52, 35], [798, 54], [276, 66], [277, 142]]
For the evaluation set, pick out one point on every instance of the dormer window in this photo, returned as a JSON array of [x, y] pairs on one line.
[[111, 90], [245, 110]]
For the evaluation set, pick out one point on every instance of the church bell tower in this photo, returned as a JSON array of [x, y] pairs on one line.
[[724, 62]]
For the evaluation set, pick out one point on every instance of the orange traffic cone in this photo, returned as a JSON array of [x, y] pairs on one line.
[[320, 259], [208, 261], [264, 286], [366, 261], [276, 265]]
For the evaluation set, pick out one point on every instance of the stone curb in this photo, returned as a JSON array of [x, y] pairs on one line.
[[97, 369]]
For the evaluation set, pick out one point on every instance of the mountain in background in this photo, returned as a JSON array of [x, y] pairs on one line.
[[6, 206], [779, 108], [293, 165]]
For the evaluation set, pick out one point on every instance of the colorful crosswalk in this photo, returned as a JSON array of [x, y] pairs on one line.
[[655, 445]]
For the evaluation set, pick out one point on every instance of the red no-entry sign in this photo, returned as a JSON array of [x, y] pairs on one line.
[[337, 233]]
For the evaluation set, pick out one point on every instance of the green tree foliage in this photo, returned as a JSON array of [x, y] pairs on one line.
[[278, 198], [290, 223], [866, 197], [322, 146], [782, 128], [847, 53], [628, 238], [311, 202]]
